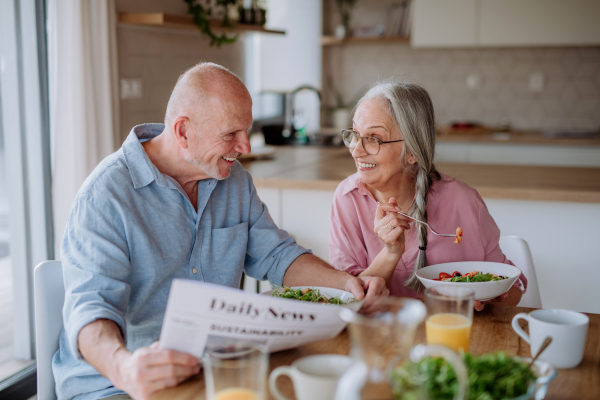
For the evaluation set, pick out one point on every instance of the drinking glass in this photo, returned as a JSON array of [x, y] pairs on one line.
[[382, 335], [449, 316], [236, 372]]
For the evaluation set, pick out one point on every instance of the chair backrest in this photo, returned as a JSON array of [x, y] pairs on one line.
[[517, 251], [49, 294]]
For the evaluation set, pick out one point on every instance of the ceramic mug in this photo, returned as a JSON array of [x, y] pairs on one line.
[[313, 377], [568, 330]]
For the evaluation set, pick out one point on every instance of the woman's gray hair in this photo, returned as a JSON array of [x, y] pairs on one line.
[[410, 107]]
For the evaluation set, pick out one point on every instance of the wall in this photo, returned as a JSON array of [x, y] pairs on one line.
[[569, 100], [158, 57]]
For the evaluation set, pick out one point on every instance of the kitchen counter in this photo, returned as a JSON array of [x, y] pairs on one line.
[[323, 168], [489, 136]]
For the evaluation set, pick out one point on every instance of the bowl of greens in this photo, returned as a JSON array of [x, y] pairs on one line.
[[316, 294], [494, 376], [487, 279]]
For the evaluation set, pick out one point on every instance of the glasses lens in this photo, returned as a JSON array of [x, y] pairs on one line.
[[350, 138], [371, 145]]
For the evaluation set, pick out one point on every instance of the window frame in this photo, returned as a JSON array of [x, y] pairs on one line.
[[24, 80]]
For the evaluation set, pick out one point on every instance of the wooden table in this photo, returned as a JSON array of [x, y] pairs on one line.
[[492, 331]]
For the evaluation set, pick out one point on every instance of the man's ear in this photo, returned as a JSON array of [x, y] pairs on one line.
[[181, 131]]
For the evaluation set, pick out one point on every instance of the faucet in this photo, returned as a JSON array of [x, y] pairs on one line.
[[289, 107]]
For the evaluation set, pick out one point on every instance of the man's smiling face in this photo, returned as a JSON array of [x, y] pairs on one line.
[[220, 133]]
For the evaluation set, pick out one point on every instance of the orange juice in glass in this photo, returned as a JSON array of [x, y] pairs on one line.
[[236, 394], [449, 316], [236, 372]]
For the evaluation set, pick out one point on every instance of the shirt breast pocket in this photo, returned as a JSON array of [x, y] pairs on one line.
[[223, 261]]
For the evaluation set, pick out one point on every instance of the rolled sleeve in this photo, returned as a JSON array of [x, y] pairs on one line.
[[345, 247], [270, 250], [96, 266]]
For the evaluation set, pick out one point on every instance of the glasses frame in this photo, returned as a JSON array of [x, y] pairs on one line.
[[362, 141]]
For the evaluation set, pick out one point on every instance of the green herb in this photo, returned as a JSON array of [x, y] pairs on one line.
[[494, 376], [479, 277], [313, 295]]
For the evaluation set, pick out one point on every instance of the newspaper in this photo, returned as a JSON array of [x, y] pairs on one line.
[[200, 314]]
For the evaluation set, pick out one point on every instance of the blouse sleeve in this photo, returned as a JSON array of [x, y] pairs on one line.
[[490, 235], [344, 247]]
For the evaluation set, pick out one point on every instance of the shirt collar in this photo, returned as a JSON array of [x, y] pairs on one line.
[[141, 169], [354, 183]]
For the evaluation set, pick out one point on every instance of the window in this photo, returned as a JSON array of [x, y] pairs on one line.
[[25, 205]]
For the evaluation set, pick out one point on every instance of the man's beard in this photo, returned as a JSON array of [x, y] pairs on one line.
[[210, 170]]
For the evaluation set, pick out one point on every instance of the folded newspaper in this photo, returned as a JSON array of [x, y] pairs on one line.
[[202, 314]]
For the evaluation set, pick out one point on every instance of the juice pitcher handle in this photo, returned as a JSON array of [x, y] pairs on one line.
[[352, 382], [421, 351]]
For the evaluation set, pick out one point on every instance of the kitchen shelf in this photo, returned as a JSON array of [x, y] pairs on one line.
[[333, 41], [172, 21]]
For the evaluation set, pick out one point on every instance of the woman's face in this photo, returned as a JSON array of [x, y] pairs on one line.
[[386, 166]]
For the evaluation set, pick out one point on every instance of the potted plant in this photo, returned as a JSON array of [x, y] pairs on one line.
[[341, 112], [345, 8]]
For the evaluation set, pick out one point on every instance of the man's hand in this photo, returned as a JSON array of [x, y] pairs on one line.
[[141, 373], [150, 369], [373, 286]]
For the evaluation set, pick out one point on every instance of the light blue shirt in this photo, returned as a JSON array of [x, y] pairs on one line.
[[132, 230]]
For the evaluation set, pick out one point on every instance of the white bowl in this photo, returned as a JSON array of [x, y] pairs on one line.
[[483, 290], [329, 293]]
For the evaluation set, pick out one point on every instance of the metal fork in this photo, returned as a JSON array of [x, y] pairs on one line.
[[426, 224]]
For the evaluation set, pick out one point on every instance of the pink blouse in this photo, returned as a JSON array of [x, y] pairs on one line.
[[353, 245]]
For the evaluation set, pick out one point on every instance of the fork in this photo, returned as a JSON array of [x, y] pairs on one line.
[[426, 224]]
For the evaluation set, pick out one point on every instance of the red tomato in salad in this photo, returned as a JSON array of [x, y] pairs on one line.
[[456, 272], [444, 275]]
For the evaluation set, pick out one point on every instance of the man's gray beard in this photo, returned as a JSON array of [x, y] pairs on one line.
[[210, 170]]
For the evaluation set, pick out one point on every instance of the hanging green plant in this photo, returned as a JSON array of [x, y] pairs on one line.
[[202, 12]]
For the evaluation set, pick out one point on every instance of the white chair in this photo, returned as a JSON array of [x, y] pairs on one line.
[[49, 295], [517, 251]]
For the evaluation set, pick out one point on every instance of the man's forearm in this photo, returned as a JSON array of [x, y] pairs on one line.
[[309, 270], [101, 345]]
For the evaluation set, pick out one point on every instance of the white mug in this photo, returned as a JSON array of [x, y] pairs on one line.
[[568, 330], [313, 377]]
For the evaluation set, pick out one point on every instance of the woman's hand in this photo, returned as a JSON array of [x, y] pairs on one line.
[[391, 227]]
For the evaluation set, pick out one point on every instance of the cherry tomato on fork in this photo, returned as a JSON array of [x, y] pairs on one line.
[[444, 275]]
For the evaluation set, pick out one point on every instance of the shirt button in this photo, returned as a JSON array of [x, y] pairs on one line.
[[195, 271]]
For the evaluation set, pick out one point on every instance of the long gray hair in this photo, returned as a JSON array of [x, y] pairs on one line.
[[410, 107]]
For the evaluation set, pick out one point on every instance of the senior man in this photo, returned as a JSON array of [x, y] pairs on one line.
[[173, 202]]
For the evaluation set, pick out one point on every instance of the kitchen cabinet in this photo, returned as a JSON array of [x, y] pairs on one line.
[[471, 23], [444, 23], [539, 22]]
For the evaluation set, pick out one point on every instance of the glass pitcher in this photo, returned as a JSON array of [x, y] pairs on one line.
[[382, 336]]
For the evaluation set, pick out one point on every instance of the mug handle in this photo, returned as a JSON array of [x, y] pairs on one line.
[[518, 329], [351, 383], [284, 370], [421, 351]]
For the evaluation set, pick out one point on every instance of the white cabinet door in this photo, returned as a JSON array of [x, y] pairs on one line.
[[539, 22], [305, 215], [445, 23]]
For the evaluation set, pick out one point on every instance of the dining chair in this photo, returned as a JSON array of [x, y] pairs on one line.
[[49, 296], [517, 250]]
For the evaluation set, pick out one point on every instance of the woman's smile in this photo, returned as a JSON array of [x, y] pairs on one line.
[[365, 166]]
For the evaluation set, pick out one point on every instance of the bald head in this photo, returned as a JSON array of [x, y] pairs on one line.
[[197, 86]]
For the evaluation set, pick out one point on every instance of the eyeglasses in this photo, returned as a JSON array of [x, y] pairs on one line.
[[369, 143]]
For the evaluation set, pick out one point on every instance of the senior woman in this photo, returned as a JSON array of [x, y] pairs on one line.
[[392, 143]]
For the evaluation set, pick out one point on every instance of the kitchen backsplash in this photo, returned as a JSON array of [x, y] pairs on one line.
[[158, 57], [569, 99]]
